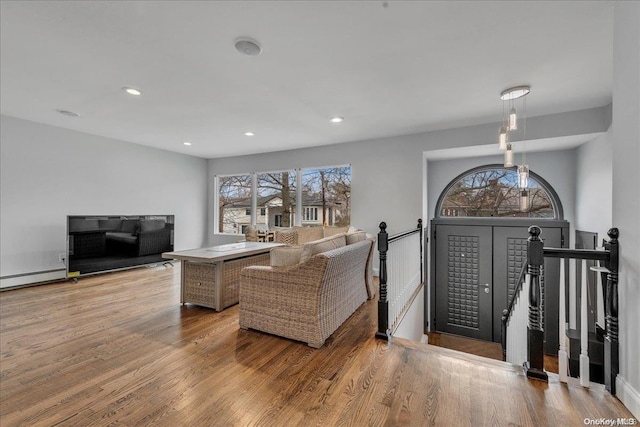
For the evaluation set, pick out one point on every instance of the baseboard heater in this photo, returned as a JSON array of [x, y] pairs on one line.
[[30, 279]]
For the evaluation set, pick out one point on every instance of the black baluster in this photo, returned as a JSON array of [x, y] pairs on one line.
[[611, 363], [383, 303], [535, 330]]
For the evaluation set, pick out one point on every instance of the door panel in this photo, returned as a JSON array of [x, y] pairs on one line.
[[463, 281]]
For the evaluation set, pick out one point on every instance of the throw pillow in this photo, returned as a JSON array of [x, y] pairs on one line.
[[332, 231], [284, 256], [147, 225], [323, 245], [251, 234], [129, 226], [356, 237]]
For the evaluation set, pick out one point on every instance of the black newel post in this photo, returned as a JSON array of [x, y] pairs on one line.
[[421, 245], [611, 366], [383, 303], [535, 330]]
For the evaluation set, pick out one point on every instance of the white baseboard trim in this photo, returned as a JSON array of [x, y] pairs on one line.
[[629, 396], [18, 280]]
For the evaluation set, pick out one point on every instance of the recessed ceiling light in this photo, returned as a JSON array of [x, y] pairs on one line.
[[249, 134], [68, 113], [337, 119], [186, 143], [247, 46], [132, 91]]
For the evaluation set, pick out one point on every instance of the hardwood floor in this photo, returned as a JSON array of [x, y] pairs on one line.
[[487, 349], [118, 349]]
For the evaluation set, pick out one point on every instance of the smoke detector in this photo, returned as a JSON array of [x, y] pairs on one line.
[[247, 46]]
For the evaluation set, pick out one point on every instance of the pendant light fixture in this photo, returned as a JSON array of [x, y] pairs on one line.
[[524, 200], [523, 176], [508, 156]]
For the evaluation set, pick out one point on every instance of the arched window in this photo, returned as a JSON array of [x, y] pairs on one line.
[[492, 191]]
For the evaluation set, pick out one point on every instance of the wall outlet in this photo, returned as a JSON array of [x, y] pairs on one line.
[[62, 257]]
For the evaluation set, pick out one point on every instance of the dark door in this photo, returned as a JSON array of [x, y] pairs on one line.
[[463, 280]]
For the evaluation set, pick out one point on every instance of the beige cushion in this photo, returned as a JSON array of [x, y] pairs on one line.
[[352, 229], [283, 256], [251, 234], [326, 244], [356, 237], [287, 236], [308, 234], [332, 231]]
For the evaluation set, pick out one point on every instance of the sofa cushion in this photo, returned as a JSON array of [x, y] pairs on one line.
[[308, 234], [121, 237], [251, 233], [287, 236], [332, 231], [356, 237], [323, 245], [147, 225], [283, 256], [129, 226], [110, 224], [81, 224]]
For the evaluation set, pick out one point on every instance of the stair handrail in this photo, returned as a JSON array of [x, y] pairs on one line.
[[385, 326]]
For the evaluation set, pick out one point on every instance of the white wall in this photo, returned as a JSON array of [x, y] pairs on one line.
[[387, 173], [48, 173], [626, 192], [594, 176]]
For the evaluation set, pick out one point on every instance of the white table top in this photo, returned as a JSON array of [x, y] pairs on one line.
[[221, 252]]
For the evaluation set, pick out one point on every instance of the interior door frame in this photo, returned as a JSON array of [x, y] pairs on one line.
[[493, 222]]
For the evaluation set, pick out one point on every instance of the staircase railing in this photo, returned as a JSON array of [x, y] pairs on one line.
[[401, 276], [536, 252]]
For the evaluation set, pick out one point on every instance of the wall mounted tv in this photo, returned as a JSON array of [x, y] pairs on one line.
[[99, 243]]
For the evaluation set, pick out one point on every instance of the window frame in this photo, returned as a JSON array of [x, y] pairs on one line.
[[297, 218], [556, 204]]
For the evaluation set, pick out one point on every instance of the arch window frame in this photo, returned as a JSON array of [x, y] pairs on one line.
[[556, 204]]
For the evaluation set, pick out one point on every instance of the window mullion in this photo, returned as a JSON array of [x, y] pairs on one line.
[[254, 198]]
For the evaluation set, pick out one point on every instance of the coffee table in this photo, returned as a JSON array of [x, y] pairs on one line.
[[210, 277]]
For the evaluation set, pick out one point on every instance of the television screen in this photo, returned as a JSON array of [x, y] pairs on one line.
[[99, 243]]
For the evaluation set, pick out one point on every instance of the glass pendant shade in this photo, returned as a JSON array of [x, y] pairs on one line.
[[503, 138], [524, 200], [513, 119], [523, 176], [508, 157]]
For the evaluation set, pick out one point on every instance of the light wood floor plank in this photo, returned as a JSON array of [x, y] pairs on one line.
[[118, 349]]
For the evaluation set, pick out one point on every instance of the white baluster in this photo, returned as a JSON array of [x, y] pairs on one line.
[[584, 329], [572, 294], [562, 324], [600, 297]]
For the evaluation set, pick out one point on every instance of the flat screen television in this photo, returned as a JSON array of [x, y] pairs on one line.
[[100, 243]]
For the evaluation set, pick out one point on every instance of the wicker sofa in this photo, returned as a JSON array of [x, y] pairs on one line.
[[309, 300]]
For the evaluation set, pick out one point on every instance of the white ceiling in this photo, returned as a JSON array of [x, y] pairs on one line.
[[389, 68]]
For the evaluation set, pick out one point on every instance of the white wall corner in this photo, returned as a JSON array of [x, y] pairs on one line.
[[629, 396]]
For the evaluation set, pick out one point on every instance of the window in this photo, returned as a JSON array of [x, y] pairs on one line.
[[330, 189], [310, 214], [277, 192], [234, 195], [492, 191], [324, 196]]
